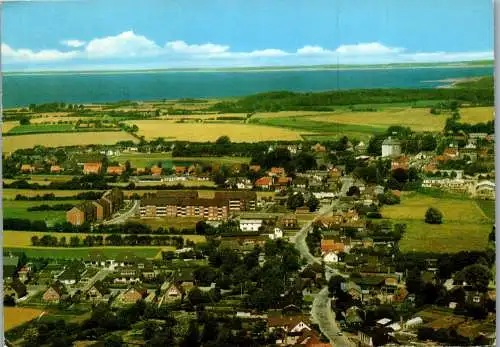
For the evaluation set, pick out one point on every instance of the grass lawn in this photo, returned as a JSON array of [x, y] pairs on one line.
[[81, 252], [167, 222], [465, 225], [488, 207], [449, 237], [18, 209], [22, 239]]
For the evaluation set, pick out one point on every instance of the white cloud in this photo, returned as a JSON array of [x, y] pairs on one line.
[[124, 45], [373, 48], [182, 47], [129, 48], [27, 55], [313, 50], [73, 43]]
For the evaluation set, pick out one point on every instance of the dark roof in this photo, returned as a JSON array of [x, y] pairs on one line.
[[368, 280], [191, 198], [73, 271], [18, 287], [58, 287], [100, 287]]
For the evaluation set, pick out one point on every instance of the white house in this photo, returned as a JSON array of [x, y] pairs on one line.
[[278, 234], [391, 147], [331, 257], [414, 322], [250, 224]]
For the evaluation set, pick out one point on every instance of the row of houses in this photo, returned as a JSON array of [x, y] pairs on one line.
[[190, 204], [96, 211]]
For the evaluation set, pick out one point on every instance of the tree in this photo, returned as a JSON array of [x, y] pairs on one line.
[[477, 276], [334, 285], [353, 191], [149, 330], [294, 201], [414, 282], [113, 341], [433, 216], [24, 120], [312, 203], [74, 241], [223, 140]]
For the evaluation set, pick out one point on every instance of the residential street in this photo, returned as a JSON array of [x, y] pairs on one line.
[[321, 311], [121, 217]]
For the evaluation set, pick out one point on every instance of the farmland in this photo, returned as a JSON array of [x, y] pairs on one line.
[[149, 159], [8, 126], [15, 316], [18, 209], [16, 239], [488, 207], [476, 114], [202, 132], [82, 252], [12, 143], [465, 226], [41, 128]]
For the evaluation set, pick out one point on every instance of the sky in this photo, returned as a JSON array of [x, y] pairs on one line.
[[146, 34]]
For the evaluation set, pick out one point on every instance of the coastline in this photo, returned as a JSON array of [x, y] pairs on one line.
[[245, 70]]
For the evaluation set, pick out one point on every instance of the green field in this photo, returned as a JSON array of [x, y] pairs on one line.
[[150, 159], [80, 253], [42, 128], [465, 225], [488, 207], [18, 209], [307, 125]]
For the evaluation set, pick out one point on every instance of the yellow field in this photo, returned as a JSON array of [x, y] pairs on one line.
[[414, 206], [419, 119], [476, 114], [22, 239], [151, 129], [13, 143], [15, 316], [8, 126], [290, 114]]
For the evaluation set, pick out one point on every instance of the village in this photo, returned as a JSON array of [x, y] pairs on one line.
[[343, 279]]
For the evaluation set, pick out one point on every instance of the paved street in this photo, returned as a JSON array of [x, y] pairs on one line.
[[121, 217], [321, 311]]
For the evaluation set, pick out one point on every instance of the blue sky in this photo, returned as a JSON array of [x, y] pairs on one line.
[[108, 34]]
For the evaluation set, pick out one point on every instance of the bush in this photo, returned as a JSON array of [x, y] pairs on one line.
[[433, 216]]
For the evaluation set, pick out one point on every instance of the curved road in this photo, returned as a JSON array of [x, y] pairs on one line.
[[321, 310]]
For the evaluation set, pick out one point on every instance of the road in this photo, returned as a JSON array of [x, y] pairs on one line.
[[325, 317], [321, 310], [123, 216], [97, 277]]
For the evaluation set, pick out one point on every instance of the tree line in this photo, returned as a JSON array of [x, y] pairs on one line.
[[110, 240]]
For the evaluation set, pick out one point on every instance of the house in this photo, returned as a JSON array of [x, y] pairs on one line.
[[15, 289], [277, 234], [302, 210], [24, 273], [413, 323], [27, 168], [485, 190], [331, 257], [156, 171], [97, 259], [250, 224], [173, 293], [353, 317], [335, 172], [72, 273], [288, 221], [276, 172], [400, 163], [140, 170], [289, 324], [115, 170], [134, 294], [300, 182], [54, 293], [254, 168], [284, 181], [55, 169], [92, 168], [391, 147], [361, 147], [318, 148], [335, 245], [98, 291], [264, 183], [180, 170]]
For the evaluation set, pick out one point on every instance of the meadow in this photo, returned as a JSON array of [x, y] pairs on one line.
[[15, 316], [476, 114], [203, 132], [150, 159], [465, 225], [82, 252], [22, 239], [19, 209], [41, 128], [12, 143]]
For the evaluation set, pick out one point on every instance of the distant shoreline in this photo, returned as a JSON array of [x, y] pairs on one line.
[[250, 69]]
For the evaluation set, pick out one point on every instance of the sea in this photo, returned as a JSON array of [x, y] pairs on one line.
[[22, 89]]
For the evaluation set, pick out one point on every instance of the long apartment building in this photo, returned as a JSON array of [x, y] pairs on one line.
[[96, 211], [190, 204]]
